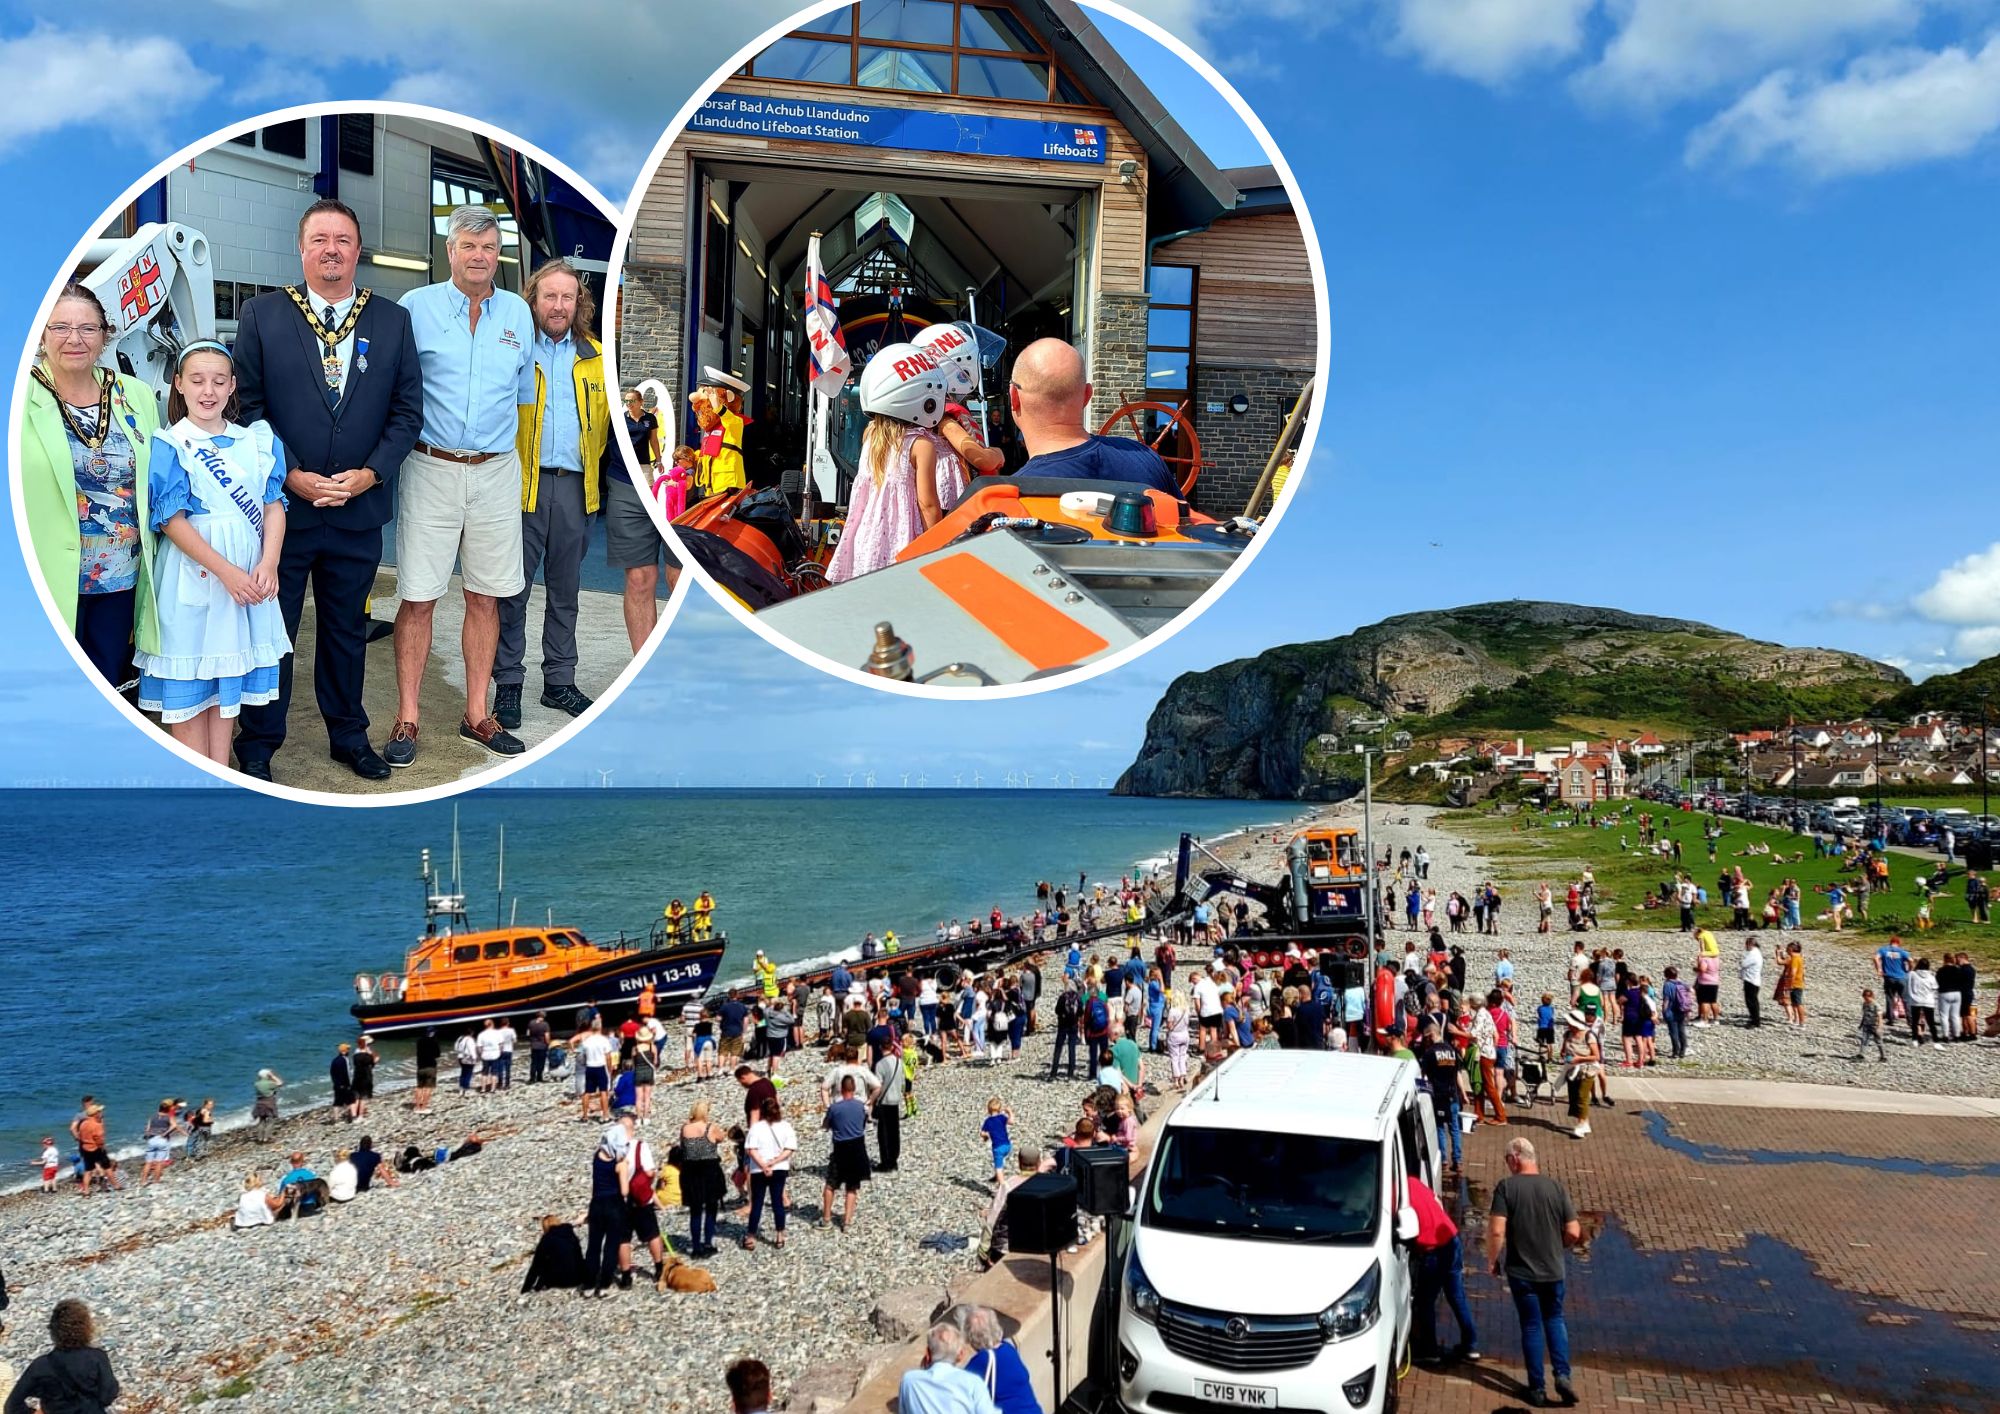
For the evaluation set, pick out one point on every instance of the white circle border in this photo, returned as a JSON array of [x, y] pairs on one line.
[[493, 774], [1322, 371]]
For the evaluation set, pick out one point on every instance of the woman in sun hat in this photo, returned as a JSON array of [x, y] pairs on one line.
[[1584, 1061]]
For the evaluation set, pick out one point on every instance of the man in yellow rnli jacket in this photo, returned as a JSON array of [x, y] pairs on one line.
[[767, 975], [676, 915], [704, 916], [561, 439]]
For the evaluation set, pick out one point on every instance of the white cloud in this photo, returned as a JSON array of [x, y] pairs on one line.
[[439, 89], [1887, 110], [1669, 49], [1967, 592], [57, 79], [1973, 644], [591, 63], [1490, 41], [1868, 610]]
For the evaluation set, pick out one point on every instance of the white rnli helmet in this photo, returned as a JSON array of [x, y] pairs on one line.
[[955, 350], [903, 382]]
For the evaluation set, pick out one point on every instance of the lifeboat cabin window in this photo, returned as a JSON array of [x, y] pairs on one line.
[[567, 940], [529, 947], [496, 950], [465, 952]]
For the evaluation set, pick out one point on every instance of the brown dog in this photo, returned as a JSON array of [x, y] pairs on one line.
[[677, 1275]]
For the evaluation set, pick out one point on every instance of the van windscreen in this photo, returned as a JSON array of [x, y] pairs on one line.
[[1291, 1187]]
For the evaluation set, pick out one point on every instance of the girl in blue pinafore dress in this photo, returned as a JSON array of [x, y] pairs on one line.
[[217, 504]]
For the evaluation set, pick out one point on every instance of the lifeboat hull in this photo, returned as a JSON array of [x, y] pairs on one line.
[[676, 975]]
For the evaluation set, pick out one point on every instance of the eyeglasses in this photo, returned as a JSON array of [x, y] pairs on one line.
[[65, 332]]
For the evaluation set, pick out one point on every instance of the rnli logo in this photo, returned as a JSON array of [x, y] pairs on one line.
[[911, 366]]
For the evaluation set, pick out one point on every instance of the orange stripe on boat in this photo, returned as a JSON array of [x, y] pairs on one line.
[[1034, 628]]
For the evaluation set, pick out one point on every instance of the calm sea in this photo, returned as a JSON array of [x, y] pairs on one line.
[[171, 942]]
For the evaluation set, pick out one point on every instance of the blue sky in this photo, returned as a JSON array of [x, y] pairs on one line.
[[1683, 306]]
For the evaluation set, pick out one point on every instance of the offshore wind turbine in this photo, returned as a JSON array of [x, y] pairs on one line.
[[850, 780], [976, 780], [906, 780], [957, 779], [819, 778], [869, 779], [604, 779], [922, 780]]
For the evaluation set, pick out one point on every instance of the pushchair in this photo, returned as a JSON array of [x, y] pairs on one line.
[[1537, 1075]]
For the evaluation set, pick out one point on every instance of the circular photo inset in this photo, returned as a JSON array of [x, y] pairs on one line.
[[315, 464], [952, 359]]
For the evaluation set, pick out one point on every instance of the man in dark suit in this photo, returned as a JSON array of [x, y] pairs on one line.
[[335, 373]]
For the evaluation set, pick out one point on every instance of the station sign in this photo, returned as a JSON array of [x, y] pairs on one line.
[[907, 129]]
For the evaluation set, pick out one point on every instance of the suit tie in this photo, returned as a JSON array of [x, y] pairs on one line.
[[326, 322]]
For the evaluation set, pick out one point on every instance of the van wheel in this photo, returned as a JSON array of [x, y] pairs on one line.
[[948, 975]]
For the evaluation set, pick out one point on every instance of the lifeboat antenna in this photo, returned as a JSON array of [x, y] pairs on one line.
[[500, 879], [438, 901]]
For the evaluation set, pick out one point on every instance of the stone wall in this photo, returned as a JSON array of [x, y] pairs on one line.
[[652, 338], [1234, 449], [1118, 355]]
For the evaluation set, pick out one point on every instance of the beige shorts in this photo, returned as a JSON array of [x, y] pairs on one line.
[[448, 512]]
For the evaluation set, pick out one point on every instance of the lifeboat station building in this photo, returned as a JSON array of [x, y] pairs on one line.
[[986, 160]]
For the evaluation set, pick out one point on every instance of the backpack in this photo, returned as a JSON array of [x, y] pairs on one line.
[[641, 1186], [1100, 1016]]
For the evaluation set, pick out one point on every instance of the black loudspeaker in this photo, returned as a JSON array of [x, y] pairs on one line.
[[1041, 1214], [1343, 972], [1103, 1179]]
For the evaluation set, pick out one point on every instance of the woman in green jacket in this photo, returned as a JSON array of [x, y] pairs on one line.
[[83, 480]]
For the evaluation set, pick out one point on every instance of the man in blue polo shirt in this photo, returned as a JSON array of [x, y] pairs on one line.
[[459, 496], [1048, 397], [1892, 964]]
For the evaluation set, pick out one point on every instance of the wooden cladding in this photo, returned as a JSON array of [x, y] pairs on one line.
[[1258, 308]]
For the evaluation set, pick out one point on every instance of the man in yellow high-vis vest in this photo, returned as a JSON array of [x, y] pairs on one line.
[[561, 439]]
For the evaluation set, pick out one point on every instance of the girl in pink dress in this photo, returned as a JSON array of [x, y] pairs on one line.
[[895, 498]]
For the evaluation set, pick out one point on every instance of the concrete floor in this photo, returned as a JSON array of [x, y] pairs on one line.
[[603, 651]]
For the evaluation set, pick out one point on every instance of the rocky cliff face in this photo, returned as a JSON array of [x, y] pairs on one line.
[[1246, 728]]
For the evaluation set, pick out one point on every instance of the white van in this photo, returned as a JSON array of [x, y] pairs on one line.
[[1268, 1263]]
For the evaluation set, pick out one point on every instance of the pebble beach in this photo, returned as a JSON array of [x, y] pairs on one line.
[[410, 1295]]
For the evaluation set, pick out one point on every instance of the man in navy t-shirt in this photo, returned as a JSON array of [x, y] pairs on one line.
[[732, 1014], [1047, 397]]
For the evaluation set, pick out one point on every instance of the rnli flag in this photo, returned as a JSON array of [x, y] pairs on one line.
[[830, 363], [1086, 137]]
